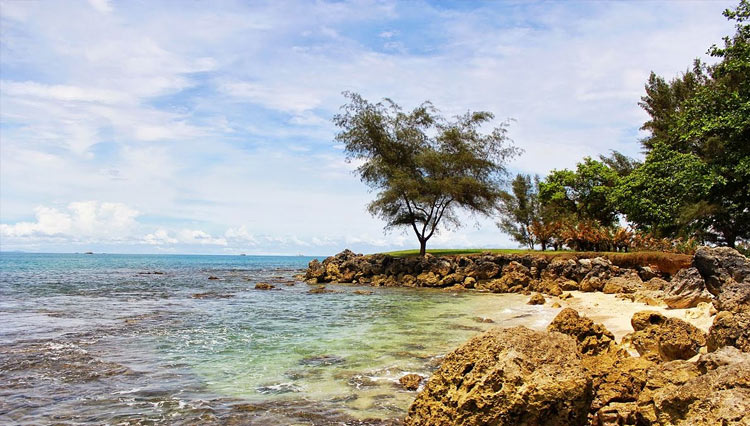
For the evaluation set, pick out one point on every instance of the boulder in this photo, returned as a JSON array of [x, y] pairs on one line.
[[536, 299], [411, 381], [623, 382], [730, 329], [644, 319], [428, 279], [622, 285], [656, 283], [482, 270], [727, 276], [315, 270], [511, 376], [686, 290], [264, 286], [679, 393], [666, 340], [592, 338]]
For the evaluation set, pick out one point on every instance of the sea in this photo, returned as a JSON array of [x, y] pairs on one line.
[[187, 339]]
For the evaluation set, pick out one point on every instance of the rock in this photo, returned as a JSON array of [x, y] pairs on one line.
[[483, 320], [621, 285], [686, 290], [428, 279], [411, 381], [566, 296], [363, 292], [730, 329], [622, 382], [667, 340], [591, 284], [591, 338], [646, 273], [211, 295], [469, 282], [536, 299], [213, 277], [556, 305], [483, 270], [454, 278], [725, 356], [678, 393], [512, 376], [321, 290], [264, 286], [498, 285], [718, 265], [656, 284], [616, 413], [454, 288], [315, 270], [644, 319]]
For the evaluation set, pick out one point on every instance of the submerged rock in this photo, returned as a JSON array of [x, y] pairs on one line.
[[264, 286], [411, 381], [506, 377]]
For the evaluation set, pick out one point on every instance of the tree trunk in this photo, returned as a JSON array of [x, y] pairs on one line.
[[422, 247], [544, 245]]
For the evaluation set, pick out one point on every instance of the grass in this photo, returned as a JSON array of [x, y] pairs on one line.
[[452, 252]]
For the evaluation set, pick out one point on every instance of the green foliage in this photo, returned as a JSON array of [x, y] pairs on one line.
[[582, 194], [518, 209], [424, 167], [706, 113], [656, 195]]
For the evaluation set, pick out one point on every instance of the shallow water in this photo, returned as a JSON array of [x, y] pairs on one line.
[[104, 339]]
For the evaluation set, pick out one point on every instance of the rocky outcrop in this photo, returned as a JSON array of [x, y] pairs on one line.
[[509, 376], [730, 329], [727, 276], [713, 391], [664, 339], [686, 290], [591, 338]]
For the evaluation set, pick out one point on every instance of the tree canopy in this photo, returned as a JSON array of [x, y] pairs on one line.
[[424, 167]]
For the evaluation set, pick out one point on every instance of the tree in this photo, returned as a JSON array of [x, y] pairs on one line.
[[706, 112], [583, 194], [518, 209], [660, 196], [424, 168]]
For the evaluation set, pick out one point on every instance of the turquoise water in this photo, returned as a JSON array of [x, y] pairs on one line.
[[143, 338]]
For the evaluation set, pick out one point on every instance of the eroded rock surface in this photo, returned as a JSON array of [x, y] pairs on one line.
[[509, 376]]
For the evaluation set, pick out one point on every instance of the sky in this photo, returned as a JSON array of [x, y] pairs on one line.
[[205, 127]]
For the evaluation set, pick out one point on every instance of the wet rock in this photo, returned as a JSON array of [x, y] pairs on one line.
[[264, 286], [470, 282], [730, 329], [411, 381], [363, 292], [212, 277], [278, 388], [321, 290], [686, 290], [211, 295], [321, 360], [315, 270], [667, 340], [592, 338], [360, 381], [483, 320], [428, 279], [454, 288], [536, 299], [506, 377]]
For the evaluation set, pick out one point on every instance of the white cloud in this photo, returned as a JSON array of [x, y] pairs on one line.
[[103, 6]]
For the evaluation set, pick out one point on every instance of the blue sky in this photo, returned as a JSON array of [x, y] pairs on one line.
[[197, 127]]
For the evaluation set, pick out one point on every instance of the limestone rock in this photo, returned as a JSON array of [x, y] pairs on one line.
[[727, 276], [592, 338], [686, 290], [622, 285], [677, 393], [730, 329], [482, 270], [264, 286], [536, 299], [512, 376], [411, 381], [669, 339], [644, 319]]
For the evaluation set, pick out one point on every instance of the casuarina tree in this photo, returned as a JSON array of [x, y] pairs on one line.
[[423, 167]]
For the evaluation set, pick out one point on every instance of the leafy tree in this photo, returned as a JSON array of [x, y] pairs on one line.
[[583, 194], [620, 163], [518, 209], [706, 112], [423, 167], [657, 195]]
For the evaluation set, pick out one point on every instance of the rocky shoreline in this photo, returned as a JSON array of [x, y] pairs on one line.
[[666, 371]]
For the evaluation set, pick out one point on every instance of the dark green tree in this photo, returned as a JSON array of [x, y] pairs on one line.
[[661, 195], [518, 209], [583, 194], [706, 112], [424, 168]]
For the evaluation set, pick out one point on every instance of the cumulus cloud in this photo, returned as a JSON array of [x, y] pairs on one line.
[[79, 220]]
